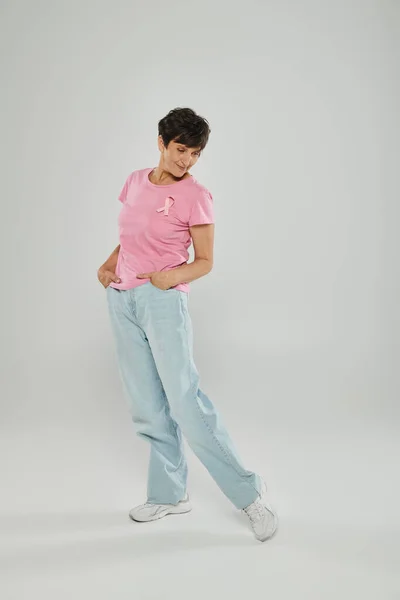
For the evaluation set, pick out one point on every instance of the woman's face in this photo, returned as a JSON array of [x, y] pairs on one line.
[[177, 159]]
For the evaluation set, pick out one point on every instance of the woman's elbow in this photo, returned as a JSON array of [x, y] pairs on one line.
[[209, 265]]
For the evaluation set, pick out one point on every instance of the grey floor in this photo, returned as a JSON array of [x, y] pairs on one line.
[[65, 532]]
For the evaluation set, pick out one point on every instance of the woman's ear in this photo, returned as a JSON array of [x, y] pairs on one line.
[[161, 146]]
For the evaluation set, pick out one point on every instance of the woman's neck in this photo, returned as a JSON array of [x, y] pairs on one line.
[[160, 177]]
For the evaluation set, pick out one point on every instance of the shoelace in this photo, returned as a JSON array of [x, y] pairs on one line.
[[254, 511]]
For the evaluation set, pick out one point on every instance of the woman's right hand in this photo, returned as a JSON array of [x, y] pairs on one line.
[[105, 276]]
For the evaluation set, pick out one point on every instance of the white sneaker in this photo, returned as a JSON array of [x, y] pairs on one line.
[[152, 512], [263, 519]]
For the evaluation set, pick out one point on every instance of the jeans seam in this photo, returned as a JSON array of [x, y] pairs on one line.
[[174, 427], [220, 446]]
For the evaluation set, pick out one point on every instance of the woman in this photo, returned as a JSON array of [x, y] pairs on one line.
[[147, 278]]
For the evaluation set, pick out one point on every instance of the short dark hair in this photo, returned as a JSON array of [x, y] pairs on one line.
[[184, 126]]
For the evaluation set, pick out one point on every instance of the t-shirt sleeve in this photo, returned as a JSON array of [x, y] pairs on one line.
[[124, 192], [202, 212]]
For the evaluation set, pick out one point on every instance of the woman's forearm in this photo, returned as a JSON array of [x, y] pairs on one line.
[[194, 270]]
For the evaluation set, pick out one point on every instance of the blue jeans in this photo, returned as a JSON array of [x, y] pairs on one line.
[[153, 334]]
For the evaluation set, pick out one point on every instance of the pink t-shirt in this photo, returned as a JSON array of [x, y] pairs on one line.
[[154, 226]]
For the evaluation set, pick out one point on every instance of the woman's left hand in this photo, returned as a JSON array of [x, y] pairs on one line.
[[160, 279]]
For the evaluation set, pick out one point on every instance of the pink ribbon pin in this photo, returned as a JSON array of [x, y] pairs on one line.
[[169, 201]]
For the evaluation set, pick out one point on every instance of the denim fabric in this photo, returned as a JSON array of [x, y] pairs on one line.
[[154, 342]]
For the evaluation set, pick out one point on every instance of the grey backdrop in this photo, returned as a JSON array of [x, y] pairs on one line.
[[296, 329]]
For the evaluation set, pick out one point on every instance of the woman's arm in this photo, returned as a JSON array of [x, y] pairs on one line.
[[106, 273], [203, 244]]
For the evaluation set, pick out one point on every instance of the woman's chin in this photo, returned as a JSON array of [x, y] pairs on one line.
[[180, 173]]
